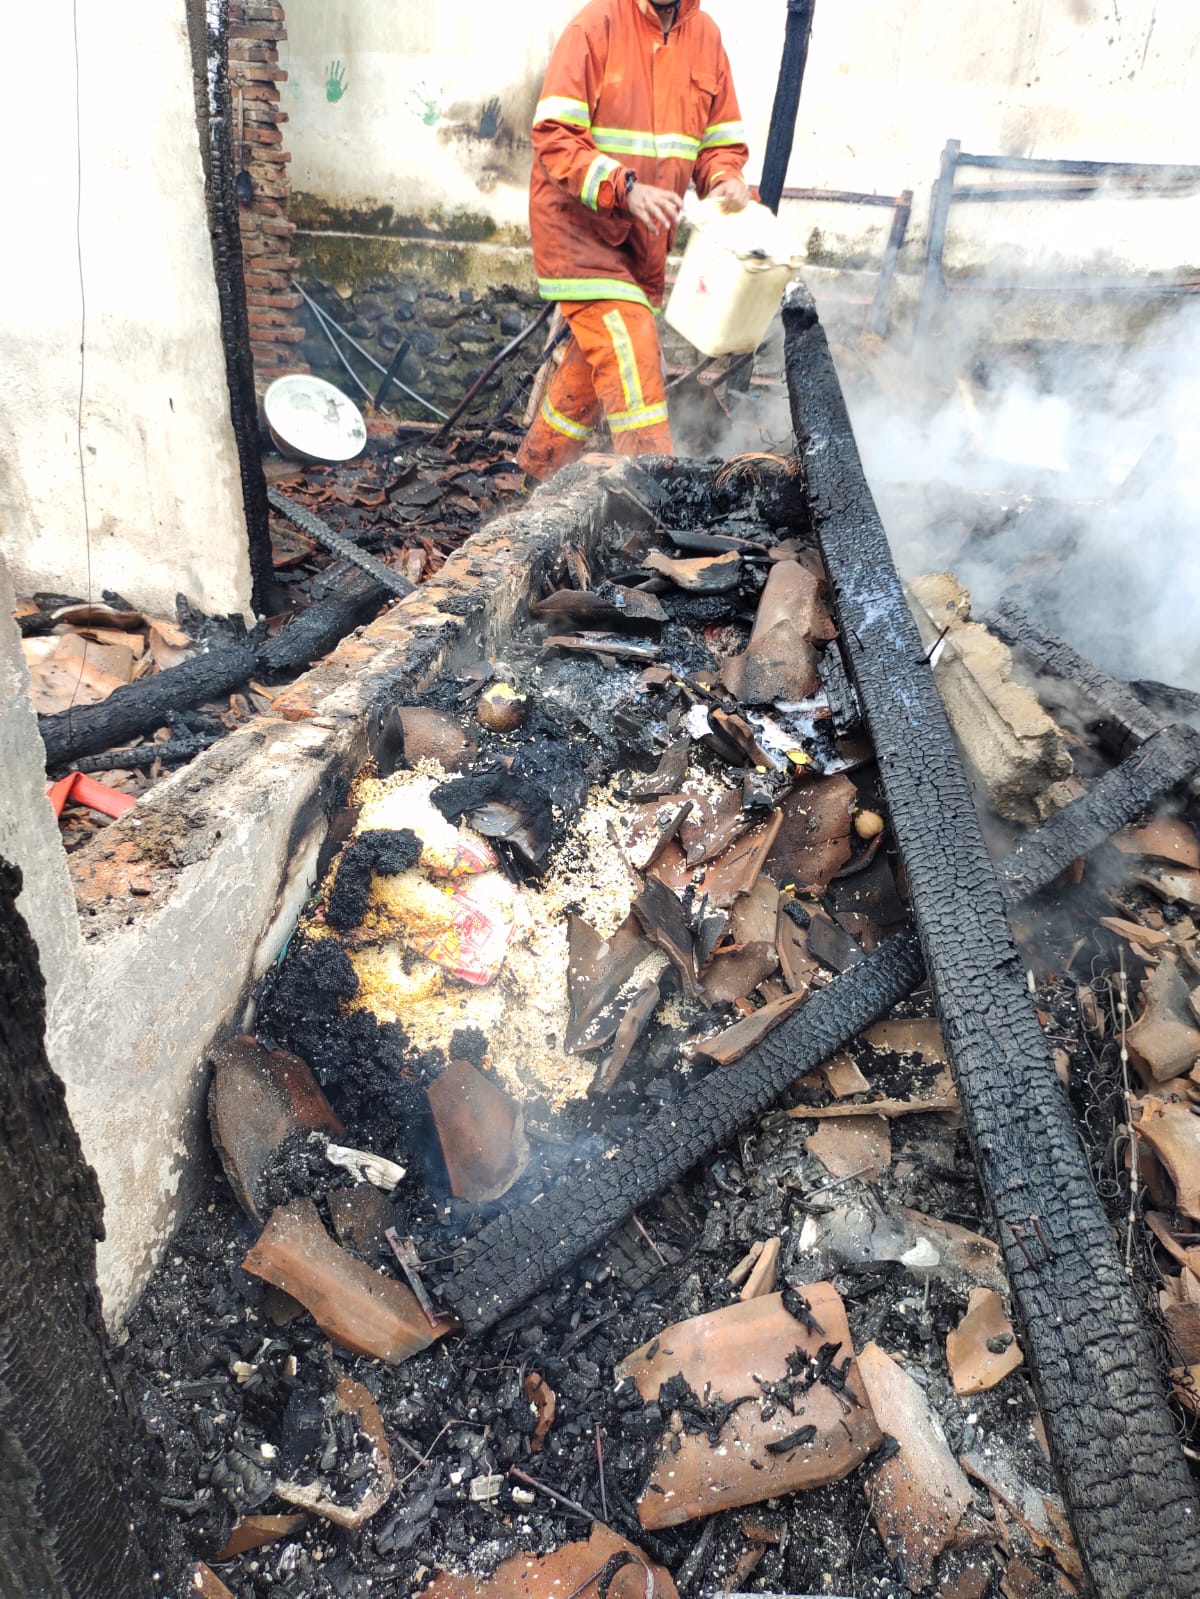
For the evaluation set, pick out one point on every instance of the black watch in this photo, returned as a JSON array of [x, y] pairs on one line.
[[630, 180]]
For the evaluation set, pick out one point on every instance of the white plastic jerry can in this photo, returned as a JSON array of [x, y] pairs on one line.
[[732, 277]]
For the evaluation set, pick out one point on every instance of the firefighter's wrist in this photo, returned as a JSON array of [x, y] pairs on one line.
[[623, 182]]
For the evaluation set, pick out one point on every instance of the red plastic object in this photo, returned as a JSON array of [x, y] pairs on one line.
[[85, 790]]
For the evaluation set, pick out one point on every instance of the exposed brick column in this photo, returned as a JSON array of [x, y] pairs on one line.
[[256, 29]]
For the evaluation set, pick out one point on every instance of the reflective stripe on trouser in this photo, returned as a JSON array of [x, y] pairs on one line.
[[612, 365]]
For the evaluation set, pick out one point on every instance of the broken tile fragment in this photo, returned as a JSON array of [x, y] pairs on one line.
[[737, 974], [765, 1448], [372, 1490], [919, 1496], [360, 1217], [705, 574], [665, 924], [257, 1099], [908, 1035], [597, 971], [734, 1042], [736, 870], [1166, 838], [1172, 1129], [852, 1146], [356, 1307], [258, 1532], [543, 1401], [1164, 1042], [1040, 1512], [1179, 1301], [843, 1077], [667, 776], [780, 662], [481, 1131], [983, 1349], [567, 1571], [713, 824], [814, 838], [633, 1024]]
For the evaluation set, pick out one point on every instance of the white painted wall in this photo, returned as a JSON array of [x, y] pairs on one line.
[[888, 82], [158, 455]]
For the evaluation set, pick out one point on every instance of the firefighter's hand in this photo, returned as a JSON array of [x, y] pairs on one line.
[[731, 194], [659, 209]]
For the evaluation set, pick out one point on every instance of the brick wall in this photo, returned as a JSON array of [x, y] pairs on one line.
[[256, 29]]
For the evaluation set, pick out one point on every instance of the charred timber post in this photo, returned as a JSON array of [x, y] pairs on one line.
[[1132, 1502], [782, 132], [73, 1524], [520, 1252], [933, 283], [231, 294]]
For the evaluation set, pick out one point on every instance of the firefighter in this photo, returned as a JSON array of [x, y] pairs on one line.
[[638, 102]]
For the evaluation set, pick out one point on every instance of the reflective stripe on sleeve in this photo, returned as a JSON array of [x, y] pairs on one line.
[[592, 289], [723, 133], [601, 168], [631, 383], [645, 416], [661, 146], [558, 108], [563, 424]]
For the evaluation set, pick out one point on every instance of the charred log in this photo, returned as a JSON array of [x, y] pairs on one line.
[[141, 707], [1166, 759], [1088, 1347], [71, 1522], [1121, 720], [518, 1253]]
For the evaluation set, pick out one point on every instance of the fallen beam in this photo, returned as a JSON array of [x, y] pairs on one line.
[[520, 1252], [1121, 719], [1163, 761], [141, 707], [1132, 1503]]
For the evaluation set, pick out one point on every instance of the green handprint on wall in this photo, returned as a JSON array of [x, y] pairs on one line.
[[335, 82]]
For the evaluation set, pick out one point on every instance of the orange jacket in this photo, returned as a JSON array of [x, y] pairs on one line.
[[619, 97]]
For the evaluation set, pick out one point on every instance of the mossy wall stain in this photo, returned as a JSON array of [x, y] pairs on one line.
[[345, 259], [371, 217]]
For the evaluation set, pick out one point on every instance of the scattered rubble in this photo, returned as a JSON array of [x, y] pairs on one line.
[[688, 882]]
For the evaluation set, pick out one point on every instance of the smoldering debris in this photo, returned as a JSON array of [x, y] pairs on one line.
[[851, 1226]]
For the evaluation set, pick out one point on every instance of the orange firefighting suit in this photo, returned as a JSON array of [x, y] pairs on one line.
[[619, 97]]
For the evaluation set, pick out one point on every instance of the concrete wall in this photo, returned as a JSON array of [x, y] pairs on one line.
[[394, 122], [158, 456]]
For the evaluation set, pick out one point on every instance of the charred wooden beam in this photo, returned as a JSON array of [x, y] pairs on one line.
[[1132, 1503], [1121, 720], [74, 1516], [1165, 758], [782, 132], [520, 1252], [141, 707]]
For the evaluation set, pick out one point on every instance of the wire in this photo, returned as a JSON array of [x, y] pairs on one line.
[[87, 528]]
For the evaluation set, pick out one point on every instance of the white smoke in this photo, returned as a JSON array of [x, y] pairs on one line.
[[1066, 472]]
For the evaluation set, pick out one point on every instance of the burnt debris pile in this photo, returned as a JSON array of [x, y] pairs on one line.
[[611, 1195]]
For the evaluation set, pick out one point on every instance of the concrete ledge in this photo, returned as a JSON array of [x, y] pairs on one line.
[[1006, 737], [188, 899]]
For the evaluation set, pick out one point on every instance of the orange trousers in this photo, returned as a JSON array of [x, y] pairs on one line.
[[612, 366]]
